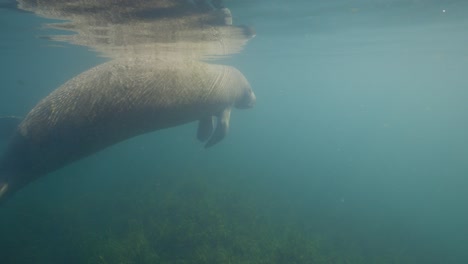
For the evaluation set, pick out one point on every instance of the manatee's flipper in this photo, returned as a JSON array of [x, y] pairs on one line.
[[205, 128], [222, 128], [8, 125]]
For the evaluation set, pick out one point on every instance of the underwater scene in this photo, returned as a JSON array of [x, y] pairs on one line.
[[236, 131]]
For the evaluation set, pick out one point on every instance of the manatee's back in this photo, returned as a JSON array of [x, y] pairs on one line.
[[113, 102]]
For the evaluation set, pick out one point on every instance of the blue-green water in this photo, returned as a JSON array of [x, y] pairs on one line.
[[356, 151]]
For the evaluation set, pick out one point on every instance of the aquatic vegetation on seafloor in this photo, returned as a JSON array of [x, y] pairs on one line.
[[183, 219]]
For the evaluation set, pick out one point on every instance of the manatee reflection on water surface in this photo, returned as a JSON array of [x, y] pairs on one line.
[[187, 29]]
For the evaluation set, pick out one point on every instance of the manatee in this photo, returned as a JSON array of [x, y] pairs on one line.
[[115, 101]]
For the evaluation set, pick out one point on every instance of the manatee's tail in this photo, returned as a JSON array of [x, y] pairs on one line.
[[9, 185], [8, 126], [5, 188]]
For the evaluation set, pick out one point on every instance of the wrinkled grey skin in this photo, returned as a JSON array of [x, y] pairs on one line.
[[116, 101]]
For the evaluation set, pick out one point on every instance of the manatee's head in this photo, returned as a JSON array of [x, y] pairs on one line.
[[247, 99]]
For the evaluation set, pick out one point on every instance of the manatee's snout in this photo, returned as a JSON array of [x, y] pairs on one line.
[[252, 99], [247, 100]]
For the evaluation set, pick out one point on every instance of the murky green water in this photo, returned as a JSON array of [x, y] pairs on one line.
[[356, 151]]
